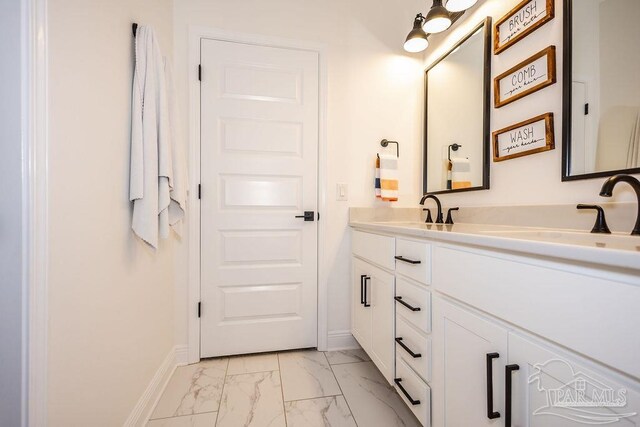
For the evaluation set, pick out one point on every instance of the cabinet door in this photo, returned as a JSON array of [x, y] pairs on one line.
[[360, 315], [381, 286], [461, 342], [555, 388]]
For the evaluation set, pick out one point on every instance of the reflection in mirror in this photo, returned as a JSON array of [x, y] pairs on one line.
[[457, 116], [602, 88]]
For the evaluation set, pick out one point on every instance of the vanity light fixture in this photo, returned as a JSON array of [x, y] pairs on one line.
[[459, 5], [437, 19], [417, 39]]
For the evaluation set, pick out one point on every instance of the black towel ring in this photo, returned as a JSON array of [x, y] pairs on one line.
[[453, 147], [385, 143]]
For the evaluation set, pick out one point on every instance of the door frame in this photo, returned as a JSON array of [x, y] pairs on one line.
[[35, 217], [196, 34]]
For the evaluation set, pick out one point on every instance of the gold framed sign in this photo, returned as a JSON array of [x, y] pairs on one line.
[[522, 139], [525, 18], [529, 76]]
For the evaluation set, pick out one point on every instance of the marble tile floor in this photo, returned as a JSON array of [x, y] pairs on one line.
[[303, 388]]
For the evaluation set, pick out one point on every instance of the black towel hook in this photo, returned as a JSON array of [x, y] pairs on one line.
[[385, 143], [134, 27]]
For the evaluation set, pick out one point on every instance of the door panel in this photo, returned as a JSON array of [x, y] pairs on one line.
[[259, 145], [360, 315], [546, 375], [462, 341], [382, 290]]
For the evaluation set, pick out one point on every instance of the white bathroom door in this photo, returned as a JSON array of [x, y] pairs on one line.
[[259, 170]]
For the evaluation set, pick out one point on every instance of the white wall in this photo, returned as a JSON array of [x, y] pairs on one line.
[[110, 296], [11, 368], [375, 92], [534, 179]]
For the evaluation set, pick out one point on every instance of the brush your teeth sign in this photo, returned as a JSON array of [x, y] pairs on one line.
[[524, 19]]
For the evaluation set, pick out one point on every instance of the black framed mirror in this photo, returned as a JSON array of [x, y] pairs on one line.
[[457, 133], [601, 89]]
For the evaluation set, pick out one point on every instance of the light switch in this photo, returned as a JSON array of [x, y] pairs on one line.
[[342, 192]]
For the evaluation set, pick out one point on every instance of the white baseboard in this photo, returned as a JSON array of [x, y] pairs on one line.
[[147, 402], [182, 355], [341, 340]]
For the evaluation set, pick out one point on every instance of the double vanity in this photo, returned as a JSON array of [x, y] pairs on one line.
[[502, 325], [485, 325]]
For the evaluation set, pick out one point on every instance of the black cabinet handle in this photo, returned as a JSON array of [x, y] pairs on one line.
[[507, 392], [407, 349], [410, 261], [410, 307], [362, 288], [398, 382], [366, 304], [491, 414]]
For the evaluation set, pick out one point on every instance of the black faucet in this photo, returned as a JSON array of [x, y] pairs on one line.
[[439, 219], [449, 217], [601, 222], [607, 191]]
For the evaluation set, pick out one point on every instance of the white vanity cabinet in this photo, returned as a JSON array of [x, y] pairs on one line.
[[373, 287], [391, 313], [500, 325], [485, 374], [484, 337]]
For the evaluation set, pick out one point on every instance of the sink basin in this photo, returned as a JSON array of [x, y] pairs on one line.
[[611, 241], [619, 241]]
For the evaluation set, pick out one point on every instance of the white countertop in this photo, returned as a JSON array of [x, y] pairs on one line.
[[613, 250]]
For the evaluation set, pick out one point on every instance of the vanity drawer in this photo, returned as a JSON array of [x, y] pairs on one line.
[[413, 259], [415, 296], [410, 386], [408, 341], [375, 248]]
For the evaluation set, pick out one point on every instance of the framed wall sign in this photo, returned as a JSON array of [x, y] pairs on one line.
[[525, 18], [527, 77], [529, 137]]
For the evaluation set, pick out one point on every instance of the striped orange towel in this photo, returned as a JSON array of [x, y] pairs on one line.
[[388, 178]]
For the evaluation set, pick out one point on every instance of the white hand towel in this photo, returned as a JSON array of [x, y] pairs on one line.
[[460, 173], [156, 178]]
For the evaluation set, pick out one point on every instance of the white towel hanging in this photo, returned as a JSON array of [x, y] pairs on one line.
[[157, 168]]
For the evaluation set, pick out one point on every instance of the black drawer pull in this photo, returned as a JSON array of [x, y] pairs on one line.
[[410, 307], [411, 399], [410, 261], [507, 393], [407, 349], [491, 414], [366, 304], [362, 288]]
